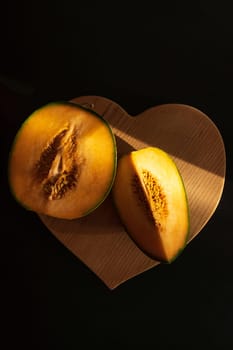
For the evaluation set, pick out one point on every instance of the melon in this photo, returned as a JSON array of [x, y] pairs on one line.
[[63, 161], [150, 197]]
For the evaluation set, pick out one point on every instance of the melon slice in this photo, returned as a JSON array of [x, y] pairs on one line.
[[150, 196]]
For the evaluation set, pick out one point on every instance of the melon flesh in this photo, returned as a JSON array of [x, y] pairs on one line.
[[63, 161], [150, 197]]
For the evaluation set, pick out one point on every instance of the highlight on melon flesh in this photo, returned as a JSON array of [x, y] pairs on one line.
[[63, 161], [151, 200]]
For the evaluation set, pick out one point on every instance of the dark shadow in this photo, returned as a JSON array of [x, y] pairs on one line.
[[123, 147]]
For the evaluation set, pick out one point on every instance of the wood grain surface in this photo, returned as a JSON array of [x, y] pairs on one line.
[[192, 140]]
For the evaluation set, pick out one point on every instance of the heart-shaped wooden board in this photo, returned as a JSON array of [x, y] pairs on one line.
[[190, 137]]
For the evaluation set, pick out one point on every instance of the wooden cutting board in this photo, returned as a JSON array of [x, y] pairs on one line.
[[192, 140]]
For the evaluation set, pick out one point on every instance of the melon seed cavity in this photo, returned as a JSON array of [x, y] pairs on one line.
[[151, 197], [156, 196], [141, 197], [56, 170]]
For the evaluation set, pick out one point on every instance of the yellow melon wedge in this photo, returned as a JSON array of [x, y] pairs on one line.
[[150, 196]]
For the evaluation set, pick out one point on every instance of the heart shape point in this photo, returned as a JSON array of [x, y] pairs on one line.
[[190, 137]]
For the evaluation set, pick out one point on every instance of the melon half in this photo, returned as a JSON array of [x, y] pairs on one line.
[[63, 161]]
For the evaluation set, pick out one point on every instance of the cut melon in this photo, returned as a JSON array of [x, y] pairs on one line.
[[150, 196], [63, 161]]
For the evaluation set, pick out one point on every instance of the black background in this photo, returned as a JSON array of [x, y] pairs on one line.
[[138, 55]]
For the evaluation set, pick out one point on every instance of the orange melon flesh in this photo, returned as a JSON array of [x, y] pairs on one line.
[[150, 197], [74, 148]]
